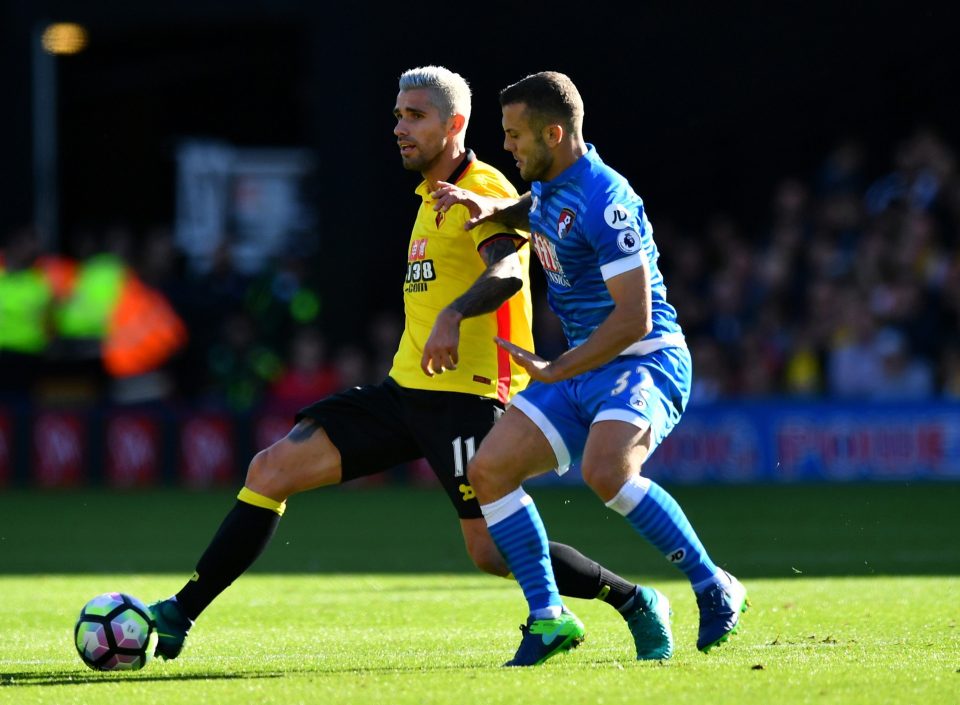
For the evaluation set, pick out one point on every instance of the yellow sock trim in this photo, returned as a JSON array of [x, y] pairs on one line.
[[258, 500]]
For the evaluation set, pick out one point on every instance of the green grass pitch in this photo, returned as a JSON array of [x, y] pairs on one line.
[[366, 596]]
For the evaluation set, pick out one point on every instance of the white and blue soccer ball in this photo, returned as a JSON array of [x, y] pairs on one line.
[[115, 632]]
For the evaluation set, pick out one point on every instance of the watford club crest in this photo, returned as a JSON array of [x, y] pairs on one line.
[[565, 223]]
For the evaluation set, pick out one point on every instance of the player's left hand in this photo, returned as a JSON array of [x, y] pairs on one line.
[[538, 368]]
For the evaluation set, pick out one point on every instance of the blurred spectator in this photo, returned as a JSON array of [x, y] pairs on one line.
[[383, 331], [761, 352], [352, 366], [27, 298], [709, 371], [854, 357], [308, 375], [803, 369], [240, 367], [923, 165], [902, 377], [74, 325], [111, 316], [204, 300], [281, 298]]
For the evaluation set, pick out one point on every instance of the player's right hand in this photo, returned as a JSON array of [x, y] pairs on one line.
[[447, 195]]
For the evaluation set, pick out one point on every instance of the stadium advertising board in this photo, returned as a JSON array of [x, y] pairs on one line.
[[812, 442], [133, 450], [793, 442], [60, 444], [207, 452], [721, 443]]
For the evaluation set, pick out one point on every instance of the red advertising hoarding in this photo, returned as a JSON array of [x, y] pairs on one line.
[[133, 450], [207, 455], [59, 454]]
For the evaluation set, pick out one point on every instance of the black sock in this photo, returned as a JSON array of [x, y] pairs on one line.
[[579, 576], [239, 541]]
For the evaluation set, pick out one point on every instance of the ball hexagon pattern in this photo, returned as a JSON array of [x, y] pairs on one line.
[[115, 633]]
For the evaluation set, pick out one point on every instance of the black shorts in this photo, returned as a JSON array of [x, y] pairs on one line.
[[379, 426]]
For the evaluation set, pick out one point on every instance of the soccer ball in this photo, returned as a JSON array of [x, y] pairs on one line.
[[115, 632]]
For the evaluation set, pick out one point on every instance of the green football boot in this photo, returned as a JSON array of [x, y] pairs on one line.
[[172, 627], [649, 622], [545, 638]]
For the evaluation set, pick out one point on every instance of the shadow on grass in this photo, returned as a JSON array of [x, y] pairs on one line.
[[755, 530], [39, 678]]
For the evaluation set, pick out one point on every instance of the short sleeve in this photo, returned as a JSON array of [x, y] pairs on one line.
[[616, 229]]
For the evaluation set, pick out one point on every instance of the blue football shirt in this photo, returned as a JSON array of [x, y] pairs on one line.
[[586, 226]]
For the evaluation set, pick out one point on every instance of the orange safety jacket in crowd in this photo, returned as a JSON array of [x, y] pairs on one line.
[[137, 328], [144, 331]]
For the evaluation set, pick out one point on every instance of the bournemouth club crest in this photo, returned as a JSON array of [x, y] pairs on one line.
[[565, 223]]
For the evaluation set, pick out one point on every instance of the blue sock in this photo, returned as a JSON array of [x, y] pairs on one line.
[[659, 519], [517, 529]]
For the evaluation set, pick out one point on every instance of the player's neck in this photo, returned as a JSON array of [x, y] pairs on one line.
[[566, 155], [441, 170]]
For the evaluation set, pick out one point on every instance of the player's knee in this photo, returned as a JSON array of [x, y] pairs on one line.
[[590, 474], [266, 475], [479, 472], [599, 478], [261, 475]]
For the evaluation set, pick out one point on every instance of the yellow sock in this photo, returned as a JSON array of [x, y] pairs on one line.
[[258, 500]]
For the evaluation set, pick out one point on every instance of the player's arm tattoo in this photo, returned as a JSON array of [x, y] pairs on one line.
[[516, 216], [502, 278], [303, 430]]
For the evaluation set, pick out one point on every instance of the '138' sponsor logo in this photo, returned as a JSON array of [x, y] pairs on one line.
[[421, 271]]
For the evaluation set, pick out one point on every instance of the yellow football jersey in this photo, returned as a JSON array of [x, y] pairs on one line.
[[443, 260]]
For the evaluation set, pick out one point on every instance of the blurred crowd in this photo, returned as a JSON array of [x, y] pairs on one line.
[[243, 340], [848, 288], [845, 284]]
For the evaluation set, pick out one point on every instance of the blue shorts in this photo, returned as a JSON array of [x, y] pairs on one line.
[[646, 391]]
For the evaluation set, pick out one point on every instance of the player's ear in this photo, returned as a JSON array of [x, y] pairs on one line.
[[456, 124], [552, 135]]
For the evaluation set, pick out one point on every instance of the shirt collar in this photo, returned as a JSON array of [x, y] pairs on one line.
[[461, 169], [572, 172], [468, 159]]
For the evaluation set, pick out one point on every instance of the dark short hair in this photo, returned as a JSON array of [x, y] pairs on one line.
[[550, 97]]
